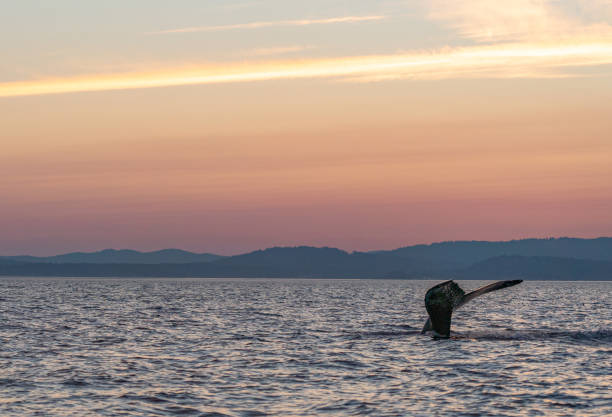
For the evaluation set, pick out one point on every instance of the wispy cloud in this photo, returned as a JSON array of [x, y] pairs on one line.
[[277, 23], [509, 61], [518, 20]]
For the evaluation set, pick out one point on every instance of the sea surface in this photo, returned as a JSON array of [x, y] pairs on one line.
[[297, 347]]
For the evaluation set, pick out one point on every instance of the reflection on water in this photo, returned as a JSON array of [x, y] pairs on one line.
[[299, 347]]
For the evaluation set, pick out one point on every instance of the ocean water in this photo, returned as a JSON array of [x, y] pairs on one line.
[[253, 347]]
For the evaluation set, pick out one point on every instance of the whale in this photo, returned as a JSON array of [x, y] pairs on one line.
[[443, 299]]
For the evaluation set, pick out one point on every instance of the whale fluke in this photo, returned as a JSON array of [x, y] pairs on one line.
[[442, 299]]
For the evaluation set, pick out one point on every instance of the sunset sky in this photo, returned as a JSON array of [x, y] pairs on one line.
[[227, 126]]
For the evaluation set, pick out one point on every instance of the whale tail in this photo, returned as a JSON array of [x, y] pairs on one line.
[[442, 299]]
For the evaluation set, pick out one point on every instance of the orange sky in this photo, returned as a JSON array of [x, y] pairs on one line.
[[483, 136]]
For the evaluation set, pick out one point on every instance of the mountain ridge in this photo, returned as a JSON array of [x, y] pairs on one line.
[[458, 251], [129, 256], [477, 260]]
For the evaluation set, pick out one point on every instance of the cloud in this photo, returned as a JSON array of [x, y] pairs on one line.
[[508, 61], [520, 20], [277, 23]]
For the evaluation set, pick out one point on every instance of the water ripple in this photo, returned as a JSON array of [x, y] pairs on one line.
[[223, 347]]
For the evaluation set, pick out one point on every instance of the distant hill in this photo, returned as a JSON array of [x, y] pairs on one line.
[[323, 262], [555, 259], [539, 268], [274, 262], [124, 256], [465, 253]]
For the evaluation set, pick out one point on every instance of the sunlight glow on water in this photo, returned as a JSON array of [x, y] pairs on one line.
[[247, 347]]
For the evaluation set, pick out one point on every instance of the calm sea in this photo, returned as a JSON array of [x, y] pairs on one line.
[[253, 347]]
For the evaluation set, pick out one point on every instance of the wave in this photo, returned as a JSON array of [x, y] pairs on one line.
[[601, 335]]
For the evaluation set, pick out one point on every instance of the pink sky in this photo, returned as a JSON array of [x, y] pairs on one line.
[[489, 131]]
